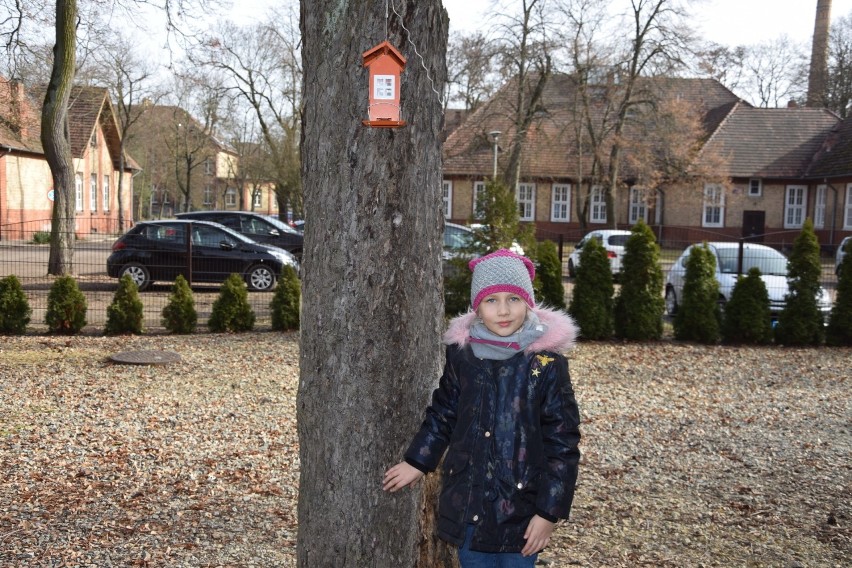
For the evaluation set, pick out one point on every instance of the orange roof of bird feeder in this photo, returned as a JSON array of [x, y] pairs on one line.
[[386, 64]]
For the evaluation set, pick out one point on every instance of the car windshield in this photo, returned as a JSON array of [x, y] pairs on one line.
[[768, 261], [280, 225], [457, 239]]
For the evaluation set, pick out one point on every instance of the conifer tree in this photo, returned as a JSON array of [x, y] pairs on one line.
[[499, 223], [839, 331], [14, 308], [231, 311], [639, 305], [179, 314], [747, 317], [125, 314], [286, 301], [66, 306], [801, 322], [551, 291], [592, 297], [698, 317]]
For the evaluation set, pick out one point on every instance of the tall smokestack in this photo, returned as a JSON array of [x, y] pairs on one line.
[[819, 55]]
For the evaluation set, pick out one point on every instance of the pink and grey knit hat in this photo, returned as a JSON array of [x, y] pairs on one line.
[[502, 271]]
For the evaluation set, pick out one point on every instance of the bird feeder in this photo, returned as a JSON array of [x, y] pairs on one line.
[[385, 64]]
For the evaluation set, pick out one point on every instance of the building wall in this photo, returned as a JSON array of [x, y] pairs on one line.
[[26, 206]]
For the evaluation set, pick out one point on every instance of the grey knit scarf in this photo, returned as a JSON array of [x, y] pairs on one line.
[[488, 345]]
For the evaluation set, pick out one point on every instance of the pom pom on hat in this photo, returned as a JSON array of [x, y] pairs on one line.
[[502, 271]]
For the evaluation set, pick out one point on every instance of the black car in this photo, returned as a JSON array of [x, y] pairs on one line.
[[264, 229], [159, 250]]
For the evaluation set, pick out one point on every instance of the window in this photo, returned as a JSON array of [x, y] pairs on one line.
[[78, 193], [755, 187], [638, 206], [478, 188], [209, 167], [598, 205], [383, 87], [714, 206], [795, 206], [231, 196], [93, 193], [257, 198], [525, 196], [561, 200], [208, 195], [106, 194], [847, 210], [819, 207], [447, 198]]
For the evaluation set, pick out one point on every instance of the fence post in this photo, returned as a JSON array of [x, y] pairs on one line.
[[740, 257]]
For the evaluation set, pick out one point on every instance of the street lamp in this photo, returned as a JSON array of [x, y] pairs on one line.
[[494, 135]]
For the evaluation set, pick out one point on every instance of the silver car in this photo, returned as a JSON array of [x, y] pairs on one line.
[[613, 242], [771, 263]]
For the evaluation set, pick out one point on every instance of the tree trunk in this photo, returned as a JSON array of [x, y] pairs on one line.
[[372, 306], [56, 141]]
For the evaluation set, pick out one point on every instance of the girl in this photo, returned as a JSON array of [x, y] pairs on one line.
[[504, 411]]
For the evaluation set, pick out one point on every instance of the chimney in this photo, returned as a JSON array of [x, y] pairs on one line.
[[819, 55]]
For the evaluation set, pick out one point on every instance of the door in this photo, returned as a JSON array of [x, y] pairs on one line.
[[754, 226]]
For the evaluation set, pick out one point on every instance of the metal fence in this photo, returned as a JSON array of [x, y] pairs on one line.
[[24, 252]]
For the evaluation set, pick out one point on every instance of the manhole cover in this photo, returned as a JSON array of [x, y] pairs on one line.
[[145, 357]]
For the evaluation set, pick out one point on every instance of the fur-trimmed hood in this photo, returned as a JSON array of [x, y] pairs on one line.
[[560, 336]]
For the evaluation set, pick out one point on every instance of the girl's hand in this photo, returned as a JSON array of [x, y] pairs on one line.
[[537, 534], [399, 476]]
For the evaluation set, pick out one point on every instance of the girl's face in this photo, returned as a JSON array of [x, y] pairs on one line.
[[503, 313]]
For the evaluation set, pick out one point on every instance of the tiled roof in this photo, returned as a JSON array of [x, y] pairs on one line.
[[834, 159], [771, 142], [550, 149]]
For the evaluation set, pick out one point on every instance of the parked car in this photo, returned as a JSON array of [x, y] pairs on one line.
[[613, 242], [158, 251], [840, 254], [458, 241], [771, 263], [264, 229]]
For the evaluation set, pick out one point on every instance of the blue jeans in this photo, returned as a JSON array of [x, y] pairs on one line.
[[470, 559]]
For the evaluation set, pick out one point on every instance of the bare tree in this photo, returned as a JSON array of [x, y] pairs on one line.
[[776, 72], [470, 61], [372, 307], [723, 63], [838, 95]]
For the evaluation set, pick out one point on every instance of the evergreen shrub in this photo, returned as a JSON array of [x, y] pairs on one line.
[[639, 305], [839, 331], [14, 308], [551, 291], [498, 223], [125, 313], [592, 296], [801, 322], [179, 315], [231, 310], [698, 317], [747, 318], [286, 301], [457, 281], [41, 237], [66, 307]]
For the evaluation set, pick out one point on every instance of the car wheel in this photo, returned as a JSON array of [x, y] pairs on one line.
[[138, 273], [671, 301], [572, 271], [260, 278]]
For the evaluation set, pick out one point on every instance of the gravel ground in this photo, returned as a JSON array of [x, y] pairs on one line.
[[693, 456]]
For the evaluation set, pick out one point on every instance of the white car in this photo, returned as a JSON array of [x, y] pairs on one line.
[[613, 242], [771, 263], [840, 254]]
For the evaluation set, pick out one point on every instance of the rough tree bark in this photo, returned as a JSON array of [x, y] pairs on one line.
[[372, 304], [55, 139]]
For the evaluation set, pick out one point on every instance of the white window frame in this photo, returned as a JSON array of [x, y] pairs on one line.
[[713, 211], [525, 198], [93, 193], [478, 188], [230, 197], [208, 195], [819, 206], [209, 167], [257, 198], [78, 193], [105, 194], [847, 209], [597, 205], [755, 187], [384, 87], [447, 197], [638, 207], [560, 203], [795, 206]]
